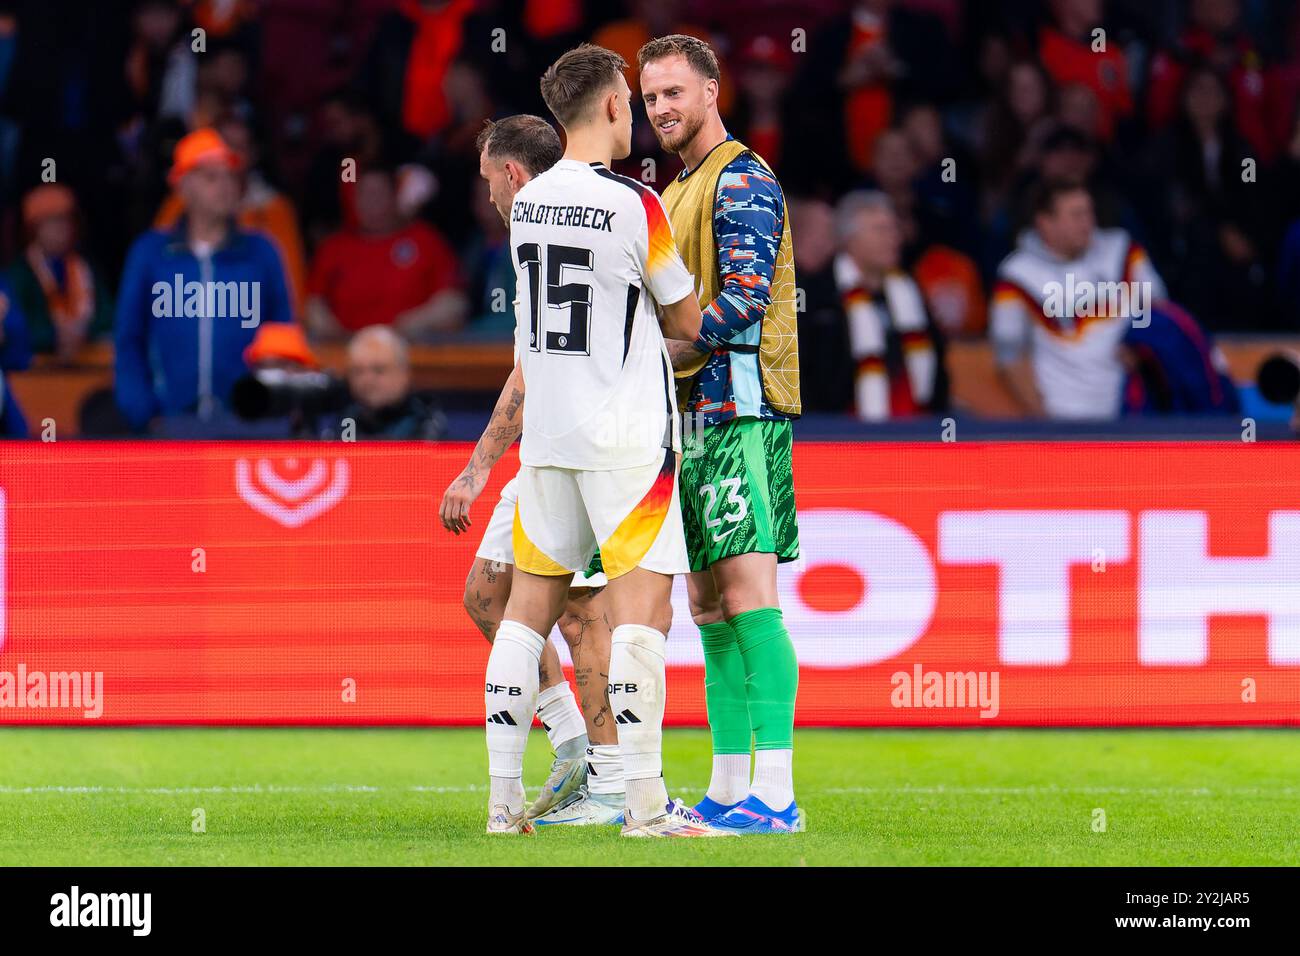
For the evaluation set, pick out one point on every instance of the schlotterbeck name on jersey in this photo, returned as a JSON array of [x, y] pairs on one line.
[[544, 214]]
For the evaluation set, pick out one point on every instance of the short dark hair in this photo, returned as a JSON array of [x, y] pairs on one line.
[[1042, 199], [528, 140], [698, 54], [573, 81]]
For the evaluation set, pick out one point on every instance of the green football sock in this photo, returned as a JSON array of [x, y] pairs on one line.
[[772, 676], [724, 689]]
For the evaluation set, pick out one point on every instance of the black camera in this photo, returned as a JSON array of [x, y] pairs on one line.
[[300, 396]]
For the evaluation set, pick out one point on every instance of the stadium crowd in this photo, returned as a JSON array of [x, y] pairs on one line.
[[945, 162]]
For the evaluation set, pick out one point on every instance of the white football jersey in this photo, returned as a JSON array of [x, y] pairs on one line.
[[593, 254], [1076, 359]]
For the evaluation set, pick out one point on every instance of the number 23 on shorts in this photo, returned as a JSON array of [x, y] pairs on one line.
[[736, 508]]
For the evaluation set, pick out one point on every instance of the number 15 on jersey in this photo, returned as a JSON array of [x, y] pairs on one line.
[[575, 339]]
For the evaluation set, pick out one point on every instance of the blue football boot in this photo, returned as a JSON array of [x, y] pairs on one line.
[[752, 815]]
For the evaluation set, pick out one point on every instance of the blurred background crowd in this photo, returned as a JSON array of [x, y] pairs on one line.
[[913, 138]]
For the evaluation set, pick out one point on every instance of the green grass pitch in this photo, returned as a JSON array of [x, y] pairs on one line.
[[412, 796]]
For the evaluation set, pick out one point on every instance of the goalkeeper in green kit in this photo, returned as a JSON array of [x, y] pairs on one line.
[[740, 389]]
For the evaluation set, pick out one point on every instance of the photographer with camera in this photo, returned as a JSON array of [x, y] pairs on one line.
[[285, 381], [383, 405]]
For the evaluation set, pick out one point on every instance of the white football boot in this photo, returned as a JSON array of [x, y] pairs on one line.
[[566, 776], [501, 820], [677, 820], [586, 809]]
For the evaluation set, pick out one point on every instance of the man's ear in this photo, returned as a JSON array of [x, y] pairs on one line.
[[711, 91], [514, 175], [611, 106]]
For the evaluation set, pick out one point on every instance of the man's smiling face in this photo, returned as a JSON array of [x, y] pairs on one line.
[[677, 100]]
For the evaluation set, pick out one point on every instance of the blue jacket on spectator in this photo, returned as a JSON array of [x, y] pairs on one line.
[[15, 348], [13, 423], [183, 321], [15, 355], [1179, 371]]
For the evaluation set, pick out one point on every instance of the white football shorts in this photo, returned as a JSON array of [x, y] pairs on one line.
[[631, 515], [498, 546]]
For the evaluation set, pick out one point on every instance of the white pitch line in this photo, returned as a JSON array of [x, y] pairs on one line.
[[251, 789], [940, 790]]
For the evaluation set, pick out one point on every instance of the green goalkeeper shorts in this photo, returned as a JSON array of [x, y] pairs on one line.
[[737, 491]]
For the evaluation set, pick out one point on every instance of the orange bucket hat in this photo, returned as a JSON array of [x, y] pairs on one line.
[[199, 148], [46, 201], [280, 340]]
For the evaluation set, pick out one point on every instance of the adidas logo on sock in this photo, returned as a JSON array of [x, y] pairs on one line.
[[502, 717], [627, 717]]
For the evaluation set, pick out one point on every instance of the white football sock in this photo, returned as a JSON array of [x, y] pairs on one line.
[[562, 720], [507, 792], [510, 696], [605, 769], [774, 778], [636, 698], [730, 781]]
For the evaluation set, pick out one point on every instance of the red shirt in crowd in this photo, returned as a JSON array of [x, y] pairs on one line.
[[1069, 61], [371, 280]]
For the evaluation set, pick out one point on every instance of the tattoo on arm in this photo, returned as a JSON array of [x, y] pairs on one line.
[[681, 353], [505, 425]]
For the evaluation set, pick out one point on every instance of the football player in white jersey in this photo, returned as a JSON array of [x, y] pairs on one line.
[[511, 152], [600, 283]]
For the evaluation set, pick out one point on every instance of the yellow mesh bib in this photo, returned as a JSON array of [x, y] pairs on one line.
[[690, 204]]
